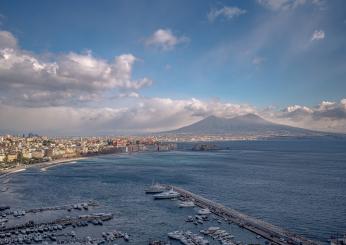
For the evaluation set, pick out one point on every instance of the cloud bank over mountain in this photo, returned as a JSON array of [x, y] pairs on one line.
[[143, 115]]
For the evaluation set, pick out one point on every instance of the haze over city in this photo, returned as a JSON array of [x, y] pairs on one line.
[[124, 67]]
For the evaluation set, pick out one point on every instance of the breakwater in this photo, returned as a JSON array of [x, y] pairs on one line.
[[268, 231]]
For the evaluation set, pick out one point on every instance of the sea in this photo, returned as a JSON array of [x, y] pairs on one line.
[[298, 184]]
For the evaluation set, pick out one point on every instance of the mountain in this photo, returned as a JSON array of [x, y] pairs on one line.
[[249, 124]]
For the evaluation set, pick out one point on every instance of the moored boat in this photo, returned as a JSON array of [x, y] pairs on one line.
[[186, 204], [203, 211], [167, 195], [155, 189]]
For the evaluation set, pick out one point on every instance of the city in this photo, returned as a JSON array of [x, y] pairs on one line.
[[16, 151]]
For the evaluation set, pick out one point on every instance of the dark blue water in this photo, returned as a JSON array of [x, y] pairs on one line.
[[297, 184]]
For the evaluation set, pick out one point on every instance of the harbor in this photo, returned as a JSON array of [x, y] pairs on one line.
[[62, 230], [272, 233], [207, 223], [117, 185]]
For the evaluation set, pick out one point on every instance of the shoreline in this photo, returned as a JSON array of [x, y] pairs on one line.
[[41, 165], [49, 164]]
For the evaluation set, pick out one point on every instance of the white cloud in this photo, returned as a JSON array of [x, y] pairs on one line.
[[279, 5], [227, 12], [29, 79], [126, 95], [318, 35], [327, 116], [217, 108], [295, 108], [7, 40], [164, 39]]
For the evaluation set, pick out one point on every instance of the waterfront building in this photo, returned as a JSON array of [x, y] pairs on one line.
[[11, 157], [38, 154], [27, 154], [2, 157]]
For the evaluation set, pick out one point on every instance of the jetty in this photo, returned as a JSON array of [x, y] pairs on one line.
[[5, 210], [67, 221], [79, 206], [272, 233]]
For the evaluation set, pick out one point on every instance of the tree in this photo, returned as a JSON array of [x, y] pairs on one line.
[[6, 159], [20, 157]]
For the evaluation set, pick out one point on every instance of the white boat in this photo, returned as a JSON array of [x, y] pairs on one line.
[[167, 195], [186, 204], [155, 188], [177, 235], [203, 211], [126, 237]]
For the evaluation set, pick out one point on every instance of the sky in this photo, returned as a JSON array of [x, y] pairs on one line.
[[124, 67]]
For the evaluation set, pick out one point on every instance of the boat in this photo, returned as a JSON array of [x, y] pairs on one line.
[[176, 235], [155, 188], [158, 242], [189, 219], [186, 204], [167, 194], [126, 237], [213, 229], [203, 211]]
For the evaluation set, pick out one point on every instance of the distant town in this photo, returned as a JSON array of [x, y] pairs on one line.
[[16, 151]]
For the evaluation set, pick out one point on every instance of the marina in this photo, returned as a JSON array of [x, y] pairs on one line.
[[58, 231], [268, 231]]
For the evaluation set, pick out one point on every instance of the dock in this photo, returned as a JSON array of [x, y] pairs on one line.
[[67, 221], [18, 213], [80, 206], [272, 233]]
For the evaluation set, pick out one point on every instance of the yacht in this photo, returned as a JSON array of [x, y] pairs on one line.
[[167, 194], [155, 188], [204, 211], [186, 204]]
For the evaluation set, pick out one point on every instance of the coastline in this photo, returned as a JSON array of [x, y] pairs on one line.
[[42, 165], [49, 164]]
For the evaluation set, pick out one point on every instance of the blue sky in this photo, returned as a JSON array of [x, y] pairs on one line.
[[261, 53]]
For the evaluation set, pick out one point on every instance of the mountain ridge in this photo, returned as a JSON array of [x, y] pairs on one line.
[[248, 124]]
